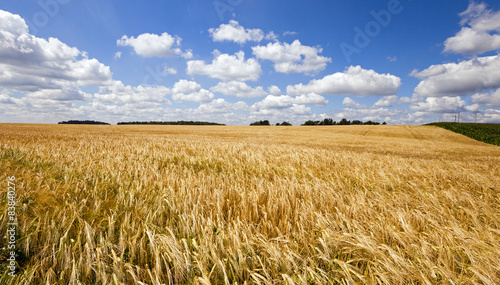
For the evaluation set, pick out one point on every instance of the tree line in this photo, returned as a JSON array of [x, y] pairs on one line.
[[343, 122], [197, 123], [79, 122], [324, 122]]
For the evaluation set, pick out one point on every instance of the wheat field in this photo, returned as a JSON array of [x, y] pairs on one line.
[[251, 205]]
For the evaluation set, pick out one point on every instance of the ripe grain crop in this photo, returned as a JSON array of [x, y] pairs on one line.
[[251, 205]]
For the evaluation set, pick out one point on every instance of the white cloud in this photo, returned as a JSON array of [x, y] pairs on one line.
[[233, 31], [292, 58], [274, 90], [118, 54], [395, 116], [64, 92], [473, 108], [389, 101], [310, 99], [169, 70], [491, 115], [289, 33], [152, 45], [285, 101], [13, 24], [238, 89], [275, 102], [271, 36], [459, 78], [221, 106], [118, 93], [187, 54], [491, 100], [439, 105], [185, 90], [392, 58], [227, 67], [44, 69], [354, 81], [292, 112], [348, 102], [482, 33]]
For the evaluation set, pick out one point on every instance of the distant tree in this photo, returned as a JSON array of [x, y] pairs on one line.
[[344, 121], [384, 123], [261, 123], [371, 123], [277, 124], [285, 123], [328, 122], [172, 123], [86, 122]]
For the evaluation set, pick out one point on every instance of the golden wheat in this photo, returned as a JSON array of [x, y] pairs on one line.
[[251, 205]]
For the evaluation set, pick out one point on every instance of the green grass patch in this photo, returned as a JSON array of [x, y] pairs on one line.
[[488, 133]]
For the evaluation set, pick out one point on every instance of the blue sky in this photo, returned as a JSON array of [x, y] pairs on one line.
[[238, 61]]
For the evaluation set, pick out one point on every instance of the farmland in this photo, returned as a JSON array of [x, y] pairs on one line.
[[488, 133], [255, 205]]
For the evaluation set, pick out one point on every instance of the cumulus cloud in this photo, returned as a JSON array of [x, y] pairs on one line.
[[185, 90], [238, 89], [348, 102], [65, 92], [44, 69], [221, 106], [118, 54], [13, 24], [293, 58], [392, 58], [233, 31], [439, 105], [286, 101], [459, 78], [311, 99], [152, 45], [380, 111], [491, 115], [293, 112], [389, 101], [274, 90], [227, 67], [271, 36], [481, 33], [118, 93], [394, 116], [353, 81], [491, 100]]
